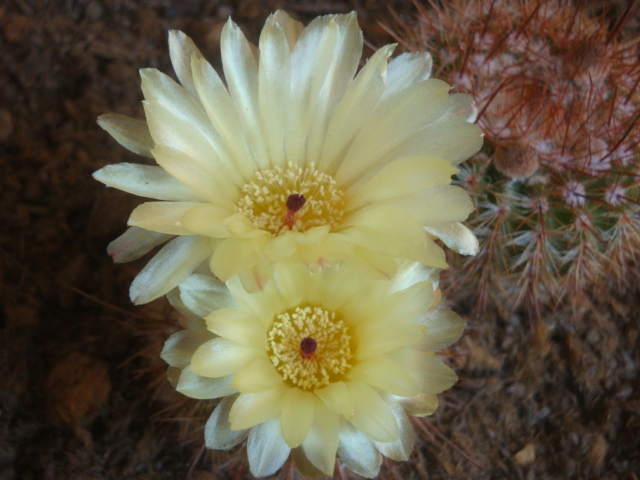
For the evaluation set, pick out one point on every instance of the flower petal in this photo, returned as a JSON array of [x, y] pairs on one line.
[[204, 388], [386, 372], [176, 119], [321, 444], [451, 137], [217, 432], [276, 249], [131, 133], [254, 279], [401, 178], [456, 236], [433, 375], [401, 448], [145, 181], [354, 109], [266, 449], [220, 357], [206, 219], [410, 304], [371, 264], [444, 327], [161, 217], [438, 204], [394, 120], [179, 347], [258, 375], [241, 73], [324, 59], [203, 294], [407, 69], [181, 49], [303, 465], [238, 326], [421, 405], [232, 256], [292, 280], [187, 318], [274, 88], [372, 415], [134, 243], [336, 396], [411, 273], [379, 337], [253, 408], [296, 417], [201, 179], [324, 62], [223, 115], [292, 28], [358, 452], [171, 265]]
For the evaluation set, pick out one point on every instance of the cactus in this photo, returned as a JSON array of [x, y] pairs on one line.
[[556, 185]]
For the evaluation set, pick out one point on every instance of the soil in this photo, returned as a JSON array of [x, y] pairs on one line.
[[82, 393]]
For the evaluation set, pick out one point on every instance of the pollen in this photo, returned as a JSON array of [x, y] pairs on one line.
[[309, 347], [314, 196]]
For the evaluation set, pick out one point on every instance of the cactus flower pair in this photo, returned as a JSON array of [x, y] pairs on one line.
[[315, 195]]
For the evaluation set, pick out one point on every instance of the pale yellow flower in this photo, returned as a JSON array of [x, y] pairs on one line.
[[318, 363], [296, 158]]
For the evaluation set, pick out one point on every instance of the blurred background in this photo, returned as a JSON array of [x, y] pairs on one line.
[[549, 366]]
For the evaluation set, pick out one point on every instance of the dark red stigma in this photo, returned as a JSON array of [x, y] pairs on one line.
[[307, 346], [294, 203]]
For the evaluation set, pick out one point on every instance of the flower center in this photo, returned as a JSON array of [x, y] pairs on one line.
[[309, 347], [292, 198]]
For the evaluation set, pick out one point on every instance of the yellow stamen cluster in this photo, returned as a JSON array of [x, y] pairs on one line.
[[329, 361], [264, 199]]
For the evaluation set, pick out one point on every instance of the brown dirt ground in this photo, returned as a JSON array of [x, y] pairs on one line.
[[80, 392]]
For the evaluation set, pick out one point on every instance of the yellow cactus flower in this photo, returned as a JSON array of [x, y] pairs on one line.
[[318, 363], [297, 158]]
